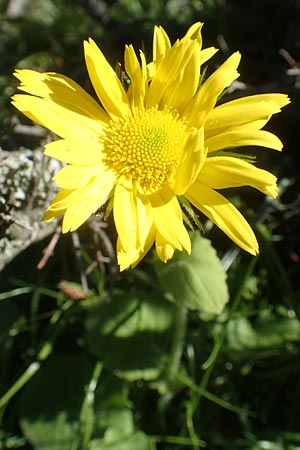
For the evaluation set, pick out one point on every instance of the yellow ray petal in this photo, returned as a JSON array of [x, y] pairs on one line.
[[280, 100], [206, 97], [207, 53], [144, 71], [253, 111], [50, 215], [161, 43], [126, 256], [98, 188], [150, 70], [144, 218], [136, 91], [181, 90], [132, 214], [164, 250], [105, 81], [62, 121], [227, 172], [194, 32], [125, 215], [62, 91], [167, 217], [167, 71], [220, 211], [77, 214], [241, 138], [61, 197], [131, 257], [74, 177], [192, 159], [75, 152]]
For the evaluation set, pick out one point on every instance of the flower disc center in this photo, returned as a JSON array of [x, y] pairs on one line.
[[146, 147]]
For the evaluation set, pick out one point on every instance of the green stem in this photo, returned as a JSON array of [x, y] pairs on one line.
[[15, 292], [176, 440], [213, 398], [22, 380]]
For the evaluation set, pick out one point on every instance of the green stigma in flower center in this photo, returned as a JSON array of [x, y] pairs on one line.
[[146, 147]]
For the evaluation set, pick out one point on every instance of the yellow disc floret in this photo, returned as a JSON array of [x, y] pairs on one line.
[[146, 146]]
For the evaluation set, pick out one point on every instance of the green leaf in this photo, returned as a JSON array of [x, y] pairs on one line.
[[131, 334], [198, 281]]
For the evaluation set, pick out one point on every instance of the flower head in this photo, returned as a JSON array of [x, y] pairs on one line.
[[153, 145]]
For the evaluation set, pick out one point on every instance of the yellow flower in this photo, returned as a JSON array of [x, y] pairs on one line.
[[152, 146]]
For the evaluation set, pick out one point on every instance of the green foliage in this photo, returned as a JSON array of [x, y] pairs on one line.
[[128, 369]]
